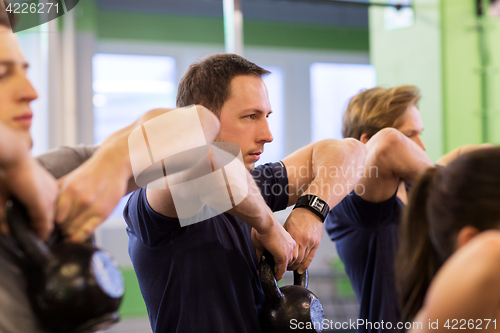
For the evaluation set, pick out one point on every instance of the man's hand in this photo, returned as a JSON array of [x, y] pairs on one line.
[[32, 185], [90, 193], [306, 229], [329, 169], [279, 243]]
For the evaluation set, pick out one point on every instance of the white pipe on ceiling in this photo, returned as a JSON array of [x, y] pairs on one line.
[[233, 26]]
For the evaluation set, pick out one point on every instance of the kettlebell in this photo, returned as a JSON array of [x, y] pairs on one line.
[[289, 304], [73, 288]]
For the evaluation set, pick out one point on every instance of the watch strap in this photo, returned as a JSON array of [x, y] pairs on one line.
[[315, 204]]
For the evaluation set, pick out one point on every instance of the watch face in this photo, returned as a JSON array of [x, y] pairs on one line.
[[316, 204]]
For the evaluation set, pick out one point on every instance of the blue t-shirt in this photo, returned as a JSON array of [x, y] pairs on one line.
[[366, 234], [201, 277]]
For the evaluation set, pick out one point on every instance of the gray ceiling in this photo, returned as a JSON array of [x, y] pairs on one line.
[[273, 10]]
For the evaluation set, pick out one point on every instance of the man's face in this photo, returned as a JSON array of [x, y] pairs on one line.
[[412, 126], [16, 92], [243, 117]]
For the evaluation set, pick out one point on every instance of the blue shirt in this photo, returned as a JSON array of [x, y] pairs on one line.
[[201, 277], [366, 234]]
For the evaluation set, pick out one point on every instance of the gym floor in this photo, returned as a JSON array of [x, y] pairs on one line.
[[131, 325], [141, 325]]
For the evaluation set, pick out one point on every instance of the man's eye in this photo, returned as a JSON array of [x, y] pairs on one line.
[[250, 116], [3, 71]]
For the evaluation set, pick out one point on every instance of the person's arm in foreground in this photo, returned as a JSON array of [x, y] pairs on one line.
[[23, 177], [91, 192], [465, 294], [391, 157], [446, 159], [267, 232], [329, 169]]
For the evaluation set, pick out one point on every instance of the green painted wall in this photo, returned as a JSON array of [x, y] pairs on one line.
[[412, 56], [470, 75], [441, 53], [210, 30], [132, 305], [461, 74], [493, 24]]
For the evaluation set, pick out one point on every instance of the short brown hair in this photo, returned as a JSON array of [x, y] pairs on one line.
[[207, 82], [7, 19], [374, 109]]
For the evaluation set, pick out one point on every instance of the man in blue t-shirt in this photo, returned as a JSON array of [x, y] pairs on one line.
[[203, 277], [365, 224]]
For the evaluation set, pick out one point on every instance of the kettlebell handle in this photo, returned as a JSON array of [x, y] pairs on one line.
[[19, 226], [269, 283], [301, 279]]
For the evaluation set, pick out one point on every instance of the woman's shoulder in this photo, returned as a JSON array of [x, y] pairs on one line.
[[467, 285], [484, 247], [474, 265]]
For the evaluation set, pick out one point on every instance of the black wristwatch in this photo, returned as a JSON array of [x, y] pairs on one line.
[[314, 204]]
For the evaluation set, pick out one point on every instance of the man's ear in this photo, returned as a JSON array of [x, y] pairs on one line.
[[364, 138], [465, 235]]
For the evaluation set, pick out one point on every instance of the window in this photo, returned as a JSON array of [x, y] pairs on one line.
[[125, 87], [332, 86], [34, 45], [275, 150]]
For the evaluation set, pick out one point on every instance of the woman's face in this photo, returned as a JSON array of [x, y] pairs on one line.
[[412, 126], [16, 91]]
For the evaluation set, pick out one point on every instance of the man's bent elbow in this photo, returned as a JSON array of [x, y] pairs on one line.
[[387, 141], [353, 148]]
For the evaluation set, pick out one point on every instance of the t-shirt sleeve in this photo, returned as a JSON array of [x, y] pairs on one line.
[[272, 179], [154, 229], [355, 213], [150, 227], [369, 214], [61, 161]]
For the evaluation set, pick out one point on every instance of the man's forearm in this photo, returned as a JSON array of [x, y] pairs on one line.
[[332, 169], [115, 150], [116, 147], [253, 210], [397, 155], [344, 159], [328, 169]]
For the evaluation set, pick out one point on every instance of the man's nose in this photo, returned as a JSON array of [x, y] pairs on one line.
[[265, 133], [420, 142], [25, 90]]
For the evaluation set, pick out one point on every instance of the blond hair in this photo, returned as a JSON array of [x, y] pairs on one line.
[[374, 109]]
